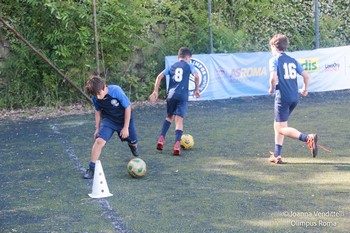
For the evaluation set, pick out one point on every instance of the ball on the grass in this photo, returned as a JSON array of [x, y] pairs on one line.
[[187, 141], [137, 168]]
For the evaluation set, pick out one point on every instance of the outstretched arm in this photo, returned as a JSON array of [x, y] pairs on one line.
[[154, 96]]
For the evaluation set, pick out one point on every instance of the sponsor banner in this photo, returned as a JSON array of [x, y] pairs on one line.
[[225, 76]]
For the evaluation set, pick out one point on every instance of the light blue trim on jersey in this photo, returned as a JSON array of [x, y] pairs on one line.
[[273, 64], [166, 71], [193, 69], [115, 92], [299, 68]]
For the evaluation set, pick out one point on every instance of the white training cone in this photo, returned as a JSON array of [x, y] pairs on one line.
[[99, 185]]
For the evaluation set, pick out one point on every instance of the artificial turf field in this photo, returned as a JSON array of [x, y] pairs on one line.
[[224, 184]]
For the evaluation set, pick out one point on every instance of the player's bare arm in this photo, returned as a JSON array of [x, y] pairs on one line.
[[196, 93], [154, 96], [124, 133], [97, 122], [273, 81], [306, 77]]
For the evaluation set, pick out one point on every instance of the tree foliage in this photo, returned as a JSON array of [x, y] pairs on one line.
[[135, 35]]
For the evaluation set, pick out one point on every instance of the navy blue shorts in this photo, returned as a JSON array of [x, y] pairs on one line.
[[176, 107], [283, 110], [108, 127]]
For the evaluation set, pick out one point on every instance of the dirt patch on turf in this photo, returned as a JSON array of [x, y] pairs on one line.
[[49, 112], [44, 112]]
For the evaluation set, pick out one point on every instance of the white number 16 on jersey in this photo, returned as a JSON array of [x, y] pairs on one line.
[[289, 71]]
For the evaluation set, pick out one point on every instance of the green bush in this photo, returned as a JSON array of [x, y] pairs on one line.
[[135, 35]]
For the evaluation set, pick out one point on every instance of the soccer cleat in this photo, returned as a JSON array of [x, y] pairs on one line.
[[276, 160], [312, 144], [134, 150], [89, 174], [177, 148], [160, 143]]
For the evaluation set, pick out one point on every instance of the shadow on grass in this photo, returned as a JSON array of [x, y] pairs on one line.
[[222, 185], [316, 163]]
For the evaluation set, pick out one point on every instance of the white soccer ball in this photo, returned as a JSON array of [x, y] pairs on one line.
[[137, 168]]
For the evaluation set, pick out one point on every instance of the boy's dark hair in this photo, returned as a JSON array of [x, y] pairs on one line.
[[280, 41], [183, 52], [94, 85]]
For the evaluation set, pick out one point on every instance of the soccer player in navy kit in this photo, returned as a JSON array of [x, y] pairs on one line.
[[283, 78], [177, 95], [112, 114]]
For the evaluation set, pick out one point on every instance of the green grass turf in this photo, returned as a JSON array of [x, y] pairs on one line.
[[223, 184]]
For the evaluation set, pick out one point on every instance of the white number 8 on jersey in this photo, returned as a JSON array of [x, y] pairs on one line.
[[178, 74]]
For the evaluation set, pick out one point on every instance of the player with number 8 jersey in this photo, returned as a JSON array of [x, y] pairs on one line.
[[179, 79], [177, 95]]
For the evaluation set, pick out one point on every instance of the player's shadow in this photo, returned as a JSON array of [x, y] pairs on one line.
[[339, 166]]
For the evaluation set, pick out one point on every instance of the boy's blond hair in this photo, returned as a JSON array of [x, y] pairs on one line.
[[94, 85], [280, 41]]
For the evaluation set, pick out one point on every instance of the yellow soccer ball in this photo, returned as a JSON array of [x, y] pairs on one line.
[[137, 168], [187, 141]]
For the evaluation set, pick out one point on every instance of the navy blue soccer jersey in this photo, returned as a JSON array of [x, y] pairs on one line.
[[287, 69], [179, 74], [113, 105]]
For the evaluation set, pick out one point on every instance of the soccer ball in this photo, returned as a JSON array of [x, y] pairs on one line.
[[137, 168], [187, 141]]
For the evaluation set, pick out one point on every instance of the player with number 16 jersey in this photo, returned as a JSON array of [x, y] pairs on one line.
[[283, 79], [287, 69], [177, 95]]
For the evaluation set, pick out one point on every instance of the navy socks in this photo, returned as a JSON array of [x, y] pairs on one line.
[[303, 137], [92, 166], [278, 149], [178, 135], [165, 128]]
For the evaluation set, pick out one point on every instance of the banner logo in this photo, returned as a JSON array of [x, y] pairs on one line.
[[332, 67], [309, 64], [240, 74], [203, 74]]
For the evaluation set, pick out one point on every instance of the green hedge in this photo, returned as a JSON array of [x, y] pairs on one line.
[[135, 35]]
